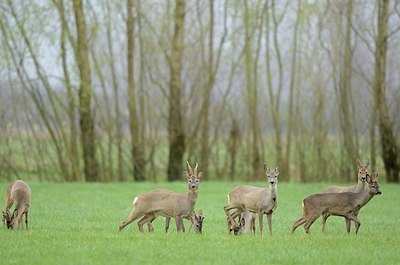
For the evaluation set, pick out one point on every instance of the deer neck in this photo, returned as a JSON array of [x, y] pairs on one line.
[[360, 186], [364, 197], [274, 191], [192, 196]]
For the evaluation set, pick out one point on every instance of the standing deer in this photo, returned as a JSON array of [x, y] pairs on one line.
[[346, 204], [254, 199], [166, 203], [362, 177], [18, 192]]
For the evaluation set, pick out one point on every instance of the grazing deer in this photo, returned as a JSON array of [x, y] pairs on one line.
[[18, 192], [246, 220], [196, 221], [166, 203], [362, 177], [254, 199], [346, 204]]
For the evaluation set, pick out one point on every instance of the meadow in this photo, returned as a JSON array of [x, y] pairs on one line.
[[78, 224]]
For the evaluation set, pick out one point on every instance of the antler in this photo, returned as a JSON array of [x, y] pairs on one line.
[[195, 169], [266, 168], [190, 168]]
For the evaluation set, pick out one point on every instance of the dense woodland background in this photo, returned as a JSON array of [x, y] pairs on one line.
[[106, 90]]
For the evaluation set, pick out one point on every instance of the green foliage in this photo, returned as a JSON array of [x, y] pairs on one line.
[[78, 224]]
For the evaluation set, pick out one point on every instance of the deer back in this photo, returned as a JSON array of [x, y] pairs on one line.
[[361, 181]]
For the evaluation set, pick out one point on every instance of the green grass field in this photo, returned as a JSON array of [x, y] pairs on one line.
[[78, 224]]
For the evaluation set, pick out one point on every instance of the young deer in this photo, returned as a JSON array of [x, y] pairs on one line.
[[18, 192], [246, 220], [346, 204], [362, 177], [196, 221], [254, 199], [166, 203]]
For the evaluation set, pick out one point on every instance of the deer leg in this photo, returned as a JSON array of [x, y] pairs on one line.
[[296, 224], [269, 218], [324, 218], [167, 220], [142, 222], [231, 218], [348, 225], [253, 225], [309, 223], [132, 217], [26, 220], [260, 221], [355, 219], [191, 219], [177, 223], [150, 227]]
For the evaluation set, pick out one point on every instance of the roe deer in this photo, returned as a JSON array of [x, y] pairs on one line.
[[196, 221], [346, 204], [362, 177], [254, 199], [18, 192], [166, 203], [246, 220]]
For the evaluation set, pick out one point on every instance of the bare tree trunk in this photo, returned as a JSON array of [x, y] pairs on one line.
[[372, 135], [274, 100], [86, 119], [390, 150], [293, 78], [137, 153], [205, 149], [73, 143], [117, 122], [234, 139], [175, 125], [345, 95], [251, 87]]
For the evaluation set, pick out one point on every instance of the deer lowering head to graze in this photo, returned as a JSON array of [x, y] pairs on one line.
[[247, 220], [196, 221], [18, 193], [254, 199], [346, 204], [362, 177], [149, 206]]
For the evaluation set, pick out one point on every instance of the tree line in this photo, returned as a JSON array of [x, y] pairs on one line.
[[105, 90]]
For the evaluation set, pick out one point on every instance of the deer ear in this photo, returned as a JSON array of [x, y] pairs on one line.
[[366, 164], [200, 174], [277, 171], [359, 165], [15, 213]]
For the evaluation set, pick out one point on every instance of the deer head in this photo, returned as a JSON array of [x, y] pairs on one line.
[[10, 218], [362, 170], [271, 175], [198, 224], [373, 183], [193, 177]]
